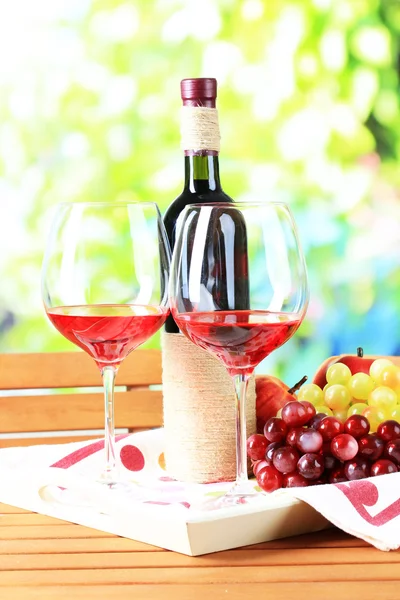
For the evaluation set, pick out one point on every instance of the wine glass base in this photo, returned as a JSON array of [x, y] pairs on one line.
[[100, 494], [111, 480], [241, 493]]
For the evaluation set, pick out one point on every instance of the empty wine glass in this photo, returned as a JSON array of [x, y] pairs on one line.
[[238, 289], [105, 288]]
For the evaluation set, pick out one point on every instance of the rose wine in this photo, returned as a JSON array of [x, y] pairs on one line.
[[108, 332], [241, 339]]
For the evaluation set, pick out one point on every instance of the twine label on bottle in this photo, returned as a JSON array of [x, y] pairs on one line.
[[200, 128], [199, 413]]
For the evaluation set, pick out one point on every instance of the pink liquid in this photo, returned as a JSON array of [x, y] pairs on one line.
[[108, 332], [240, 339]]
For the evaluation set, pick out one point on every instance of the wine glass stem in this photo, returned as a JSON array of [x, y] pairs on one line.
[[108, 374], [240, 381]]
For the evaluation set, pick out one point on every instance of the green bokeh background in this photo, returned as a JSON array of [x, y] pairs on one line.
[[309, 114]]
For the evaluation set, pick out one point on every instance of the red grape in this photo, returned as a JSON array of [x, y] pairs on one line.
[[371, 447], [309, 440], [389, 430], [313, 424], [285, 459], [275, 429], [293, 434], [358, 468], [256, 446], [344, 446], [337, 475], [392, 451], [326, 448], [330, 461], [295, 414], [330, 427], [321, 480], [311, 466], [357, 426], [310, 408], [294, 480], [260, 464], [383, 467], [269, 453], [269, 479]]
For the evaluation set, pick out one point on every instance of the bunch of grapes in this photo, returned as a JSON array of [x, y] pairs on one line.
[[305, 445], [376, 396]]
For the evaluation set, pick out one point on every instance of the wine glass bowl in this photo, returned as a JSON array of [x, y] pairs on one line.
[[238, 289], [105, 287]]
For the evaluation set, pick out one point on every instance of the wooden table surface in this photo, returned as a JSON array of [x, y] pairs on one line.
[[46, 558]]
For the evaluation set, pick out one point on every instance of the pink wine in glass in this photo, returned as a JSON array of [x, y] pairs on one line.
[[241, 339], [108, 332]]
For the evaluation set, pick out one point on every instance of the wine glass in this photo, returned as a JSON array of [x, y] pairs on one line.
[[105, 288], [238, 289]]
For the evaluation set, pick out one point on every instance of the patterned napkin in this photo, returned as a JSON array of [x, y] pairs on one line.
[[65, 473]]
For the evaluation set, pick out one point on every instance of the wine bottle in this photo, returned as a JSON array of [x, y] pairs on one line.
[[202, 180], [196, 386]]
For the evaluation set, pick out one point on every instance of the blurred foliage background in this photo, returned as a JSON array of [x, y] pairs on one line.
[[309, 114]]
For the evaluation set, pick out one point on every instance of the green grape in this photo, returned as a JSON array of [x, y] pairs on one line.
[[395, 413], [383, 397], [377, 366], [338, 373], [357, 409], [372, 414], [337, 397], [360, 386], [324, 409], [340, 414], [310, 392], [384, 414], [279, 413], [390, 377]]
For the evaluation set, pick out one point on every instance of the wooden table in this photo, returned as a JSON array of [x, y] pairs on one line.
[[45, 558]]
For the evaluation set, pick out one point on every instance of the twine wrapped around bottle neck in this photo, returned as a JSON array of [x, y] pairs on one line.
[[199, 413], [199, 128]]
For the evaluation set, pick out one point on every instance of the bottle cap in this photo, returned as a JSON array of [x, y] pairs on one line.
[[199, 92]]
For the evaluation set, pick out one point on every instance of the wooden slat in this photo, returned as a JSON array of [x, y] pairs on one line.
[[236, 558], [11, 510], [202, 575], [328, 538], [28, 519], [35, 441], [249, 591], [64, 412], [56, 439], [74, 545], [74, 369], [348, 542], [39, 532]]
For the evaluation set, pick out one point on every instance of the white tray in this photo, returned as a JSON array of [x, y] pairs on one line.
[[176, 528]]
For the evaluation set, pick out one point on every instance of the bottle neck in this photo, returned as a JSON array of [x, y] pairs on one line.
[[202, 173]]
